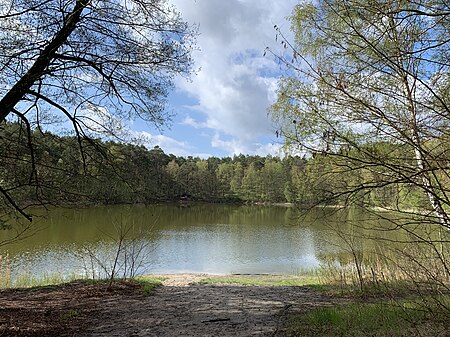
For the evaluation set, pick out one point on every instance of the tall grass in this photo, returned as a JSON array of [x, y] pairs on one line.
[[417, 272], [393, 318], [422, 271], [420, 261], [7, 280], [28, 280], [5, 271]]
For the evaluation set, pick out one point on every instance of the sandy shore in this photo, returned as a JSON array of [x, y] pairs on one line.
[[181, 307]]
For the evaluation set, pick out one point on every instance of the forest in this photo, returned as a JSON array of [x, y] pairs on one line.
[[66, 170]]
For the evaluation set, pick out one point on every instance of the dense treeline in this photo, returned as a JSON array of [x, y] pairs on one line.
[[72, 170]]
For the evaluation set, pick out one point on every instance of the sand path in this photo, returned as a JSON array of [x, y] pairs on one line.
[[180, 307], [183, 308]]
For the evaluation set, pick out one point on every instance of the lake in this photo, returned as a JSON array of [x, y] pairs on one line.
[[175, 238]]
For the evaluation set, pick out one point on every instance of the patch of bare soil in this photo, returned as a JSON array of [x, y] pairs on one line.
[[177, 308]]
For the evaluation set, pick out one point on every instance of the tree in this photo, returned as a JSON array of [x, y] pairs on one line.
[[225, 174], [251, 189], [174, 188], [367, 96], [91, 64], [273, 181], [362, 73]]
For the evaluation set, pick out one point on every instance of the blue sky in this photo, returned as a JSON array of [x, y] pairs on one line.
[[222, 110]]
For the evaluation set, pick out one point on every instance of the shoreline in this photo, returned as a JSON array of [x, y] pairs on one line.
[[187, 279]]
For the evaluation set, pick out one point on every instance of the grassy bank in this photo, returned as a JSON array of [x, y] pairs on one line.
[[265, 280], [394, 318], [148, 283]]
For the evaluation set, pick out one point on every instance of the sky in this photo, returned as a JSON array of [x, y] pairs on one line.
[[222, 110]]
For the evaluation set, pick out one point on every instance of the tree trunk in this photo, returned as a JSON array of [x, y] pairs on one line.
[[37, 70], [415, 139], [421, 163]]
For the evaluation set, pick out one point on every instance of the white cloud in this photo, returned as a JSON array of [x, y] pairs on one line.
[[100, 122], [188, 120], [273, 149], [236, 147], [231, 147], [236, 82], [168, 144]]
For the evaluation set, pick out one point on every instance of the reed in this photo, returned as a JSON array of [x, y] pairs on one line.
[[5, 271]]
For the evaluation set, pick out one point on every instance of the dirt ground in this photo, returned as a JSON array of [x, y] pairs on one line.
[[178, 308]]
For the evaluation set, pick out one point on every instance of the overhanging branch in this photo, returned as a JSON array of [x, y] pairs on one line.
[[14, 205], [37, 70]]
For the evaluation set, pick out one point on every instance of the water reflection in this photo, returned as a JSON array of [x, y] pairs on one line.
[[172, 239]]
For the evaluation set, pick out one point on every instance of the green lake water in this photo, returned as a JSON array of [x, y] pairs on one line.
[[198, 238]]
